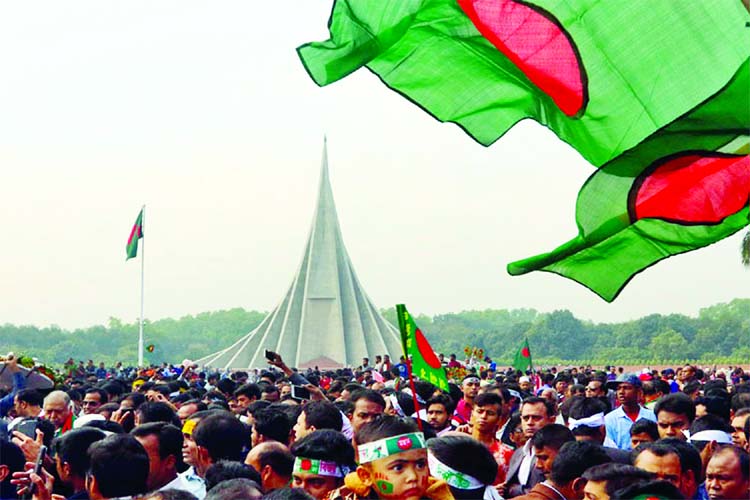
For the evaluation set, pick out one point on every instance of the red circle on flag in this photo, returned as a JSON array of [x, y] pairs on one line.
[[525, 352], [426, 351], [405, 442], [306, 464]]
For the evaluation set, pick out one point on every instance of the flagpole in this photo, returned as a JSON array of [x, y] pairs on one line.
[[413, 393], [143, 258]]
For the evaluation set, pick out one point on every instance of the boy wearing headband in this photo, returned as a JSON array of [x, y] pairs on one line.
[[321, 460], [392, 457]]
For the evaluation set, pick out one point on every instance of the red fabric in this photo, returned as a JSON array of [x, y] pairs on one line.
[[697, 188], [632, 416], [536, 43]]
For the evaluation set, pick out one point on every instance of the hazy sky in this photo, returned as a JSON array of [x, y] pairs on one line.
[[202, 111]]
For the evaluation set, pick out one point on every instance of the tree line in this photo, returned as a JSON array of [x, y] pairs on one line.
[[718, 334]]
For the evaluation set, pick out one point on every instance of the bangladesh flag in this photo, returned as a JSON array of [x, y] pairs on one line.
[[150, 347], [602, 75], [135, 234], [424, 363], [685, 187], [522, 361]]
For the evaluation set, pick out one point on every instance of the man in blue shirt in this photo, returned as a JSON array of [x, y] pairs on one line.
[[618, 422]]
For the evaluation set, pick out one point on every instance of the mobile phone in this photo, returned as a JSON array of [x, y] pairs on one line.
[[27, 427], [37, 469], [270, 355], [300, 392]]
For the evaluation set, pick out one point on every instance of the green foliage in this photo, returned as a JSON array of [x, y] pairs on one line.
[[717, 335]]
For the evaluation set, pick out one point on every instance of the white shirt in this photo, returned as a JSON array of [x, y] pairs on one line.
[[525, 469], [178, 483], [195, 484]]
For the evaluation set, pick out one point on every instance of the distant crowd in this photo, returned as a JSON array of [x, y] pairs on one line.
[[188, 432]]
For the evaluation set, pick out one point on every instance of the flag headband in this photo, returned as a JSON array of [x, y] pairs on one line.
[[319, 467], [382, 448], [596, 420], [451, 476], [720, 437], [471, 379]]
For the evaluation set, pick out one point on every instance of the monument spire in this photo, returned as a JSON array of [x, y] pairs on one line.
[[325, 318]]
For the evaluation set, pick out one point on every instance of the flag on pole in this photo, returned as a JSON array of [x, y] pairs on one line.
[[522, 361], [135, 234], [425, 364], [150, 348]]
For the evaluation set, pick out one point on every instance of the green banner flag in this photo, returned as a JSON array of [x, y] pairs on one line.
[[522, 361], [135, 234], [602, 75], [685, 187], [424, 363]]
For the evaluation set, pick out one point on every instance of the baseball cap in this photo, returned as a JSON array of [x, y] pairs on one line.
[[625, 378]]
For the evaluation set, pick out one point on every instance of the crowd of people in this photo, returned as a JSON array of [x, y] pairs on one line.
[[184, 433]]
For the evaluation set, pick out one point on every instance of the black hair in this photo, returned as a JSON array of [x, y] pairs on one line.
[[345, 407], [656, 488], [279, 458], [157, 411], [658, 448], [215, 395], [690, 459], [616, 476], [106, 425], [291, 411], [322, 415], [226, 386], [584, 408], [424, 389], [162, 389], [441, 399], [466, 455], [288, 494], [255, 406], [173, 494], [488, 398], [552, 436], [169, 437], [30, 396], [113, 389], [677, 403], [709, 422], [548, 405], [200, 405], [229, 469], [273, 424], [368, 395], [138, 398], [645, 426], [11, 456], [513, 422], [574, 458], [103, 395], [235, 489], [72, 448], [222, 435], [742, 456], [326, 445], [383, 427], [120, 466], [740, 398], [251, 391], [716, 405]]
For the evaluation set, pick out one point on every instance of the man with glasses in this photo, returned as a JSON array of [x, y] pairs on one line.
[[93, 399]]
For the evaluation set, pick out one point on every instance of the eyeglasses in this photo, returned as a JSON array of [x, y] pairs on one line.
[[87, 403], [592, 389]]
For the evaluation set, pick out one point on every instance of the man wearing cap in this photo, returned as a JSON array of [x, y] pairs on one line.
[[470, 389], [618, 422]]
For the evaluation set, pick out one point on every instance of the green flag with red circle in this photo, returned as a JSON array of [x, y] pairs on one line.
[[424, 363], [522, 361]]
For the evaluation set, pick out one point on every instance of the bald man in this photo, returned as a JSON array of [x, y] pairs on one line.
[[274, 462]]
